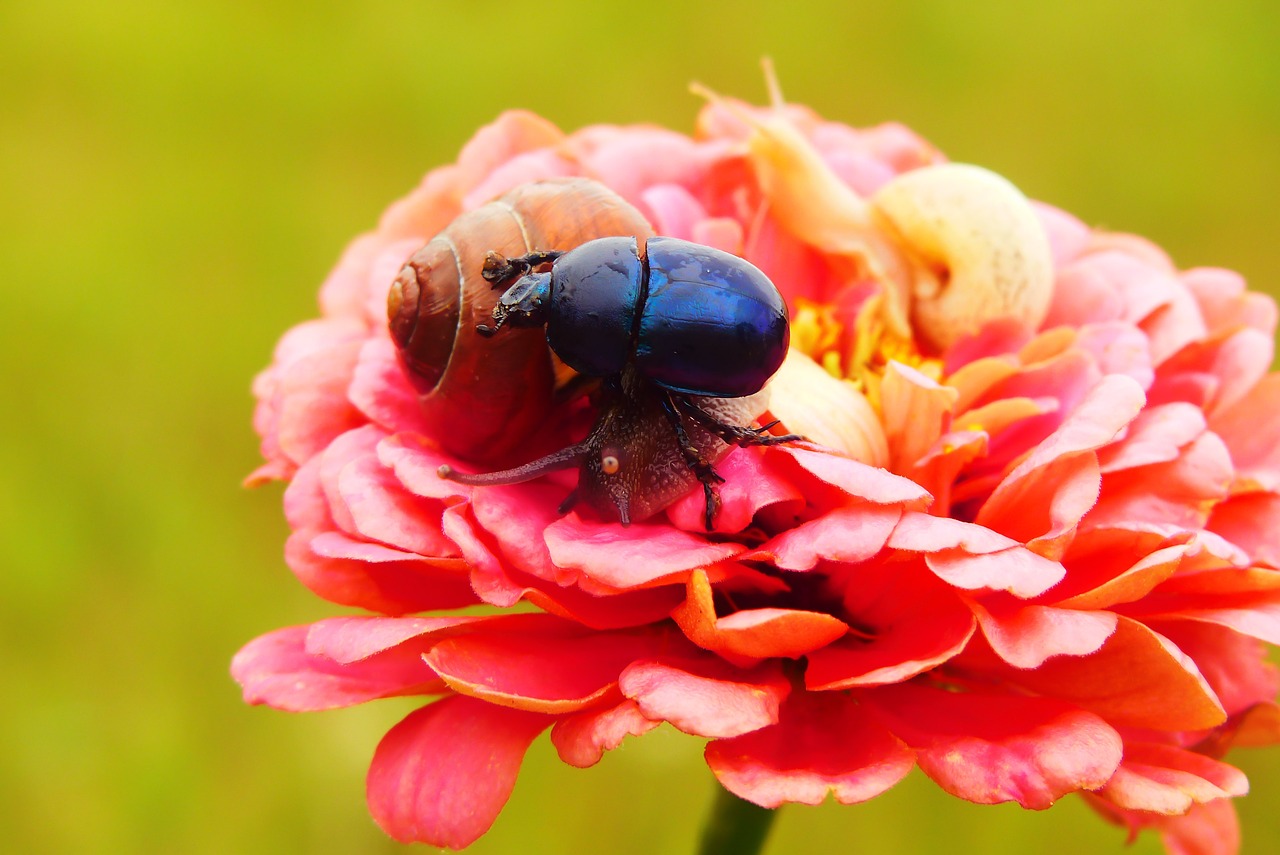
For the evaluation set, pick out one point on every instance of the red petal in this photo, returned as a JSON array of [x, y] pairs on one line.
[[541, 673], [1235, 665], [908, 622], [752, 481], [1138, 678], [998, 748], [1041, 501], [823, 743], [582, 738], [277, 670], [706, 697], [442, 775], [1089, 573]]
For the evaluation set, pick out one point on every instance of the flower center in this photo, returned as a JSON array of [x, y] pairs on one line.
[[860, 351]]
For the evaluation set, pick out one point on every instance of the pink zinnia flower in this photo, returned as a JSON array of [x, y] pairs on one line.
[[1033, 547]]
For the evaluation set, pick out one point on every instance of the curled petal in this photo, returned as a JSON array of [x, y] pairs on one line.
[[747, 636], [543, 674], [582, 738], [442, 774], [1137, 678], [706, 697]]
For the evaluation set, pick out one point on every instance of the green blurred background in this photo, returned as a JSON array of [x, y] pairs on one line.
[[175, 181]]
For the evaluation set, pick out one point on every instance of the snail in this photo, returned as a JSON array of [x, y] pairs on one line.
[[953, 246], [481, 398], [682, 337]]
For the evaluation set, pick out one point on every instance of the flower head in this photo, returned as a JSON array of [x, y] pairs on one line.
[[1031, 547]]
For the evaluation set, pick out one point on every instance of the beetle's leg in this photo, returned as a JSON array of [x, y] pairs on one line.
[[498, 269], [731, 433], [569, 501], [702, 469]]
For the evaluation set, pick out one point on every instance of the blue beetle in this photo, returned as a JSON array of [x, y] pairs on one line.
[[677, 332]]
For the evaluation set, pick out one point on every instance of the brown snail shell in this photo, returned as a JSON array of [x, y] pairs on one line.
[[482, 397]]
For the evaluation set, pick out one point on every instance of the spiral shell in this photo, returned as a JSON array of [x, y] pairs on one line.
[[482, 397]]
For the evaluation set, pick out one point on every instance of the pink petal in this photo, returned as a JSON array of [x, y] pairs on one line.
[[379, 389], [1189, 488], [442, 774], [382, 510], [415, 461], [823, 743], [347, 640], [1118, 348], [1169, 780], [1019, 571], [1207, 829], [1251, 522], [376, 578], [706, 697], [632, 556], [1156, 436], [313, 407], [1026, 635], [850, 534], [276, 669], [998, 748], [1251, 429], [1226, 302], [582, 738], [858, 479], [973, 557]]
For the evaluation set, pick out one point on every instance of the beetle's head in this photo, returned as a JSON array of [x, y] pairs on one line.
[[524, 304]]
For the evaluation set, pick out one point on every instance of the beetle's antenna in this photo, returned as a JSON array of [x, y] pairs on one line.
[[562, 459]]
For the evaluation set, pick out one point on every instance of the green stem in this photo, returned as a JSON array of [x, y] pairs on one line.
[[735, 827]]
